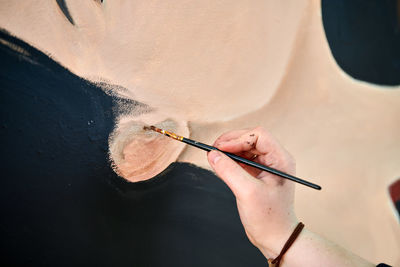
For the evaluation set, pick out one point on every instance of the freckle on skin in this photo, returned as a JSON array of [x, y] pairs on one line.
[[248, 142], [252, 135]]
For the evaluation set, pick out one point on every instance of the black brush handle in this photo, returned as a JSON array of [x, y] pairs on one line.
[[252, 163]]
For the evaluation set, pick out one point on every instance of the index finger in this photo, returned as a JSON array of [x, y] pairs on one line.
[[257, 141], [230, 135]]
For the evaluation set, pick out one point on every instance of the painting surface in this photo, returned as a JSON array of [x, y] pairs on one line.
[[79, 79]]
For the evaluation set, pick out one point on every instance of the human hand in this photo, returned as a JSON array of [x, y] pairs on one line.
[[265, 201]]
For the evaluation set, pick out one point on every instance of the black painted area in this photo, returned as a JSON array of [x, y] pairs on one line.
[[397, 205], [63, 6], [60, 201], [364, 37]]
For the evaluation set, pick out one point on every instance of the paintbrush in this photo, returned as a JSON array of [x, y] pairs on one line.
[[233, 156]]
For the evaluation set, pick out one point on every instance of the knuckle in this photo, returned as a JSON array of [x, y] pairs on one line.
[[219, 139], [273, 162], [249, 192], [285, 163]]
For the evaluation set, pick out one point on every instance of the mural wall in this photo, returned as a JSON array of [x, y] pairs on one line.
[[82, 183]]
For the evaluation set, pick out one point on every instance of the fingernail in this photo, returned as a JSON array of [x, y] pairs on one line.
[[215, 156]]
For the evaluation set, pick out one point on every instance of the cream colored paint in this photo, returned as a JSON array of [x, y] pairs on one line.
[[212, 66]]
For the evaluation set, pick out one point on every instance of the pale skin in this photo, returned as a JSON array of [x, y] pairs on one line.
[[265, 201]]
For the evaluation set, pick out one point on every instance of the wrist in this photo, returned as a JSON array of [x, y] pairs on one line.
[[271, 246]]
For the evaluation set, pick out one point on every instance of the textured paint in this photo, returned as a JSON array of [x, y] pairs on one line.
[[62, 204], [138, 154]]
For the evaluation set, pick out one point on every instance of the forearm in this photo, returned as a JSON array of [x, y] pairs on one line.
[[311, 250]]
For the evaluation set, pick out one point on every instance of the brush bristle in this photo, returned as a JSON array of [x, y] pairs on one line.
[[152, 128]]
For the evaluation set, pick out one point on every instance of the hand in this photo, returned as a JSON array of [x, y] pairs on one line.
[[264, 200]]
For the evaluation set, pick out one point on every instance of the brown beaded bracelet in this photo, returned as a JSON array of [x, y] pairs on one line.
[[276, 262]]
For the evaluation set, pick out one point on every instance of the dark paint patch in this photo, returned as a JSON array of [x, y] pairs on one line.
[[63, 6], [364, 37], [60, 201], [394, 191]]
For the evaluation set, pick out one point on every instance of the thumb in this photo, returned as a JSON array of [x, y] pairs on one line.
[[237, 179]]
